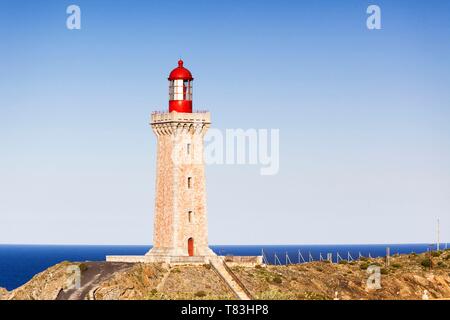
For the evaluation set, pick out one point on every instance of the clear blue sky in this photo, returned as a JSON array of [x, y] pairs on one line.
[[364, 118]]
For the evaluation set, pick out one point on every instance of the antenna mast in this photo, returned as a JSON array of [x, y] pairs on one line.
[[438, 235]]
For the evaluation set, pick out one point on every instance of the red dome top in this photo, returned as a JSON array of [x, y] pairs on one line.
[[180, 73]]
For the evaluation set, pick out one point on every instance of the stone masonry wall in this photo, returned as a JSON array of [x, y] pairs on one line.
[[176, 162]]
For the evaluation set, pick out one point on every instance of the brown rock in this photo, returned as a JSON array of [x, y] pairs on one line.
[[315, 280], [43, 286], [3, 294]]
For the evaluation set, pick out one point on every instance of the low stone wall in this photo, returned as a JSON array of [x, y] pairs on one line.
[[246, 261], [158, 259], [129, 259]]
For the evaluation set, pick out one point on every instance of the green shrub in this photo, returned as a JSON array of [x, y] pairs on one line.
[[312, 296], [154, 291], [436, 253], [426, 263], [383, 271], [200, 294], [343, 262], [207, 266], [83, 267], [396, 265], [258, 266], [277, 280], [364, 266], [363, 259], [375, 264]]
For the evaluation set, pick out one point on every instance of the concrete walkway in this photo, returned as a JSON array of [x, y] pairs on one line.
[[95, 273], [226, 274], [161, 284]]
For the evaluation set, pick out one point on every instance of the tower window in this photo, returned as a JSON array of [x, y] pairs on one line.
[[190, 216], [189, 182], [180, 90], [188, 148]]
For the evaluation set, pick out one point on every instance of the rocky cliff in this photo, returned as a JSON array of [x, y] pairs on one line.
[[3, 293], [424, 276]]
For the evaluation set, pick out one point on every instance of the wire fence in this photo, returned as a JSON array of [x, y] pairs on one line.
[[274, 256]]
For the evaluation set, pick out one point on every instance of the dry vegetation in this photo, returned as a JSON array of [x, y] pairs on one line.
[[156, 282], [406, 277]]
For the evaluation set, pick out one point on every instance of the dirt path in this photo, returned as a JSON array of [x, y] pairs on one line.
[[95, 273]]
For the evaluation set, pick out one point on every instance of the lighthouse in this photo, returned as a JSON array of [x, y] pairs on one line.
[[180, 214], [180, 233]]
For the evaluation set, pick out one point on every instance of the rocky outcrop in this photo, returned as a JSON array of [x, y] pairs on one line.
[[92, 275], [3, 294], [45, 285], [194, 282], [161, 282], [137, 283], [407, 277]]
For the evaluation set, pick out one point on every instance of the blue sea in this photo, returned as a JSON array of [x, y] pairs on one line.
[[19, 263]]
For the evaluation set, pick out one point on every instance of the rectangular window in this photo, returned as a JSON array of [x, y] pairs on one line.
[[176, 90], [188, 148], [189, 182], [190, 216]]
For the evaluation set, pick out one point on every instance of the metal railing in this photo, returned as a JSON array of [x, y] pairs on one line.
[[237, 280]]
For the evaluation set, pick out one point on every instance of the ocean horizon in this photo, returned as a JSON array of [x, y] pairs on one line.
[[20, 262]]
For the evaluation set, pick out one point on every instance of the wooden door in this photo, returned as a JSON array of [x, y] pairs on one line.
[[191, 247]]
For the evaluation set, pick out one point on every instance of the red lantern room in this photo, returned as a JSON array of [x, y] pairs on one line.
[[180, 89]]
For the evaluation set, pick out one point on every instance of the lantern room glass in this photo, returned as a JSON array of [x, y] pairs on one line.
[[180, 90]]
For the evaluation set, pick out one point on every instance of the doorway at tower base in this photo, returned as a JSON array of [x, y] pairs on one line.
[[167, 255], [180, 252]]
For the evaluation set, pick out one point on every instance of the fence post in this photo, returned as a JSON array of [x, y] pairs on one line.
[[349, 257], [300, 256], [388, 256], [276, 259], [288, 260]]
